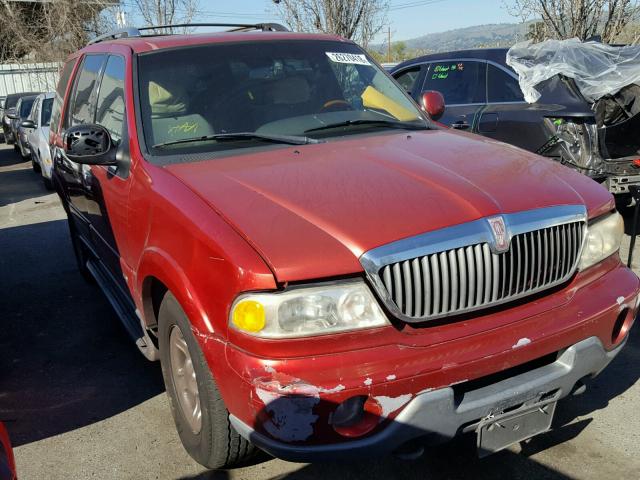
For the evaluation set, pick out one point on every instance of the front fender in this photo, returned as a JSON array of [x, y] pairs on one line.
[[157, 263]]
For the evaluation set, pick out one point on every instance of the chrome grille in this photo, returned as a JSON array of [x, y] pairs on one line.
[[449, 281]]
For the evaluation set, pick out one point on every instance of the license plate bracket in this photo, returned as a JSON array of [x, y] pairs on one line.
[[498, 432]]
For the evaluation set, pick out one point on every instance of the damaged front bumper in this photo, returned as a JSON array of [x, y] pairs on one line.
[[439, 415]]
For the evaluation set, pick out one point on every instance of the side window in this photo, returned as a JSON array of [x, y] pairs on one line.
[[34, 111], [110, 106], [65, 75], [45, 111], [502, 87], [407, 78], [82, 105], [459, 81]]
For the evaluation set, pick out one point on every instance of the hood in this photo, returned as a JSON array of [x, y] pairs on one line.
[[311, 211]]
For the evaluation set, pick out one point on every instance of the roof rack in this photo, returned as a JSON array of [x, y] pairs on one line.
[[233, 27]]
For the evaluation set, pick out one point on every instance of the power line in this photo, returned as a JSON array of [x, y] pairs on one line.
[[419, 3]]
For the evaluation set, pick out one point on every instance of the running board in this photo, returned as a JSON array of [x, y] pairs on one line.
[[123, 309]]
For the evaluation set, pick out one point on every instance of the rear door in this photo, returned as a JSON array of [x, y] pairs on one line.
[[462, 82], [508, 117]]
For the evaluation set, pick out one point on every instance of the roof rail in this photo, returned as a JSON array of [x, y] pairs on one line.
[[126, 32], [234, 27]]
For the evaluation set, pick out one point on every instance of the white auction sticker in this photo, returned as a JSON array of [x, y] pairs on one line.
[[353, 58]]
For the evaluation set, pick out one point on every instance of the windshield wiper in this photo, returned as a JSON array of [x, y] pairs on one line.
[[288, 139], [363, 121]]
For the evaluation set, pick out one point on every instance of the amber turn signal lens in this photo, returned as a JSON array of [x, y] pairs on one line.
[[249, 316]]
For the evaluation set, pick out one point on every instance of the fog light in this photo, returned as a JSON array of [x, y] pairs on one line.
[[356, 416], [622, 325], [249, 316]]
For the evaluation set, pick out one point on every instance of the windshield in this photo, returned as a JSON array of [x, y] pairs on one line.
[[291, 88], [47, 105], [25, 106]]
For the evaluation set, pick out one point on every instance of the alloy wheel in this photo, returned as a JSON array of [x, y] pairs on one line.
[[184, 380]]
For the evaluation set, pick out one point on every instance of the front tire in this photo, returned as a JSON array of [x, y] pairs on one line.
[[200, 415]]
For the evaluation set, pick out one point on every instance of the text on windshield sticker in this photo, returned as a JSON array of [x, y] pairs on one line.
[[352, 58]]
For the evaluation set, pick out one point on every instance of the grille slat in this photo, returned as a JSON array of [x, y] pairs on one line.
[[407, 279], [435, 276], [486, 259], [455, 276], [417, 287], [462, 265], [470, 277], [426, 276], [445, 274]]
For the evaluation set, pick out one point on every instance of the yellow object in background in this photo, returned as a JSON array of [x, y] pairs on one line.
[[373, 98]]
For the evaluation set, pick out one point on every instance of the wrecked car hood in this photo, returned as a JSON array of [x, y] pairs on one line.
[[311, 211]]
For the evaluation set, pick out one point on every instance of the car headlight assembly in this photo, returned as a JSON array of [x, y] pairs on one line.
[[307, 311], [603, 240]]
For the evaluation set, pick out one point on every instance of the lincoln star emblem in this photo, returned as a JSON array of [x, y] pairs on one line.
[[500, 237]]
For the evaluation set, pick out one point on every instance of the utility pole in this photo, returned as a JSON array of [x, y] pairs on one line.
[[389, 44]]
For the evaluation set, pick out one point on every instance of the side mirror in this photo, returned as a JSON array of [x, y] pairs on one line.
[[28, 124], [432, 102], [89, 144], [12, 113]]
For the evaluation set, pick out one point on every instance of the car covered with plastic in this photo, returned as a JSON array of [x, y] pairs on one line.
[[491, 92]]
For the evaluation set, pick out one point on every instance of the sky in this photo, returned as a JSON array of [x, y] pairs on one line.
[[407, 18]]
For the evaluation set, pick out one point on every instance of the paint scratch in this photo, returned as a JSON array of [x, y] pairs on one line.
[[291, 409], [368, 381], [391, 404], [391, 377], [521, 343]]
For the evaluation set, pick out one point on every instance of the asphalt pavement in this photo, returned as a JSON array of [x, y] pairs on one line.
[[80, 402]]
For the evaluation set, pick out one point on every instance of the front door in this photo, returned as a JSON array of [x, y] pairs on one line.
[[81, 110], [508, 117], [106, 189]]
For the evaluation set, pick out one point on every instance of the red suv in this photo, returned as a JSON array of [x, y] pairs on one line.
[[322, 270]]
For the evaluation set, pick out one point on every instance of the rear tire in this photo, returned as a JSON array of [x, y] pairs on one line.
[[211, 440]]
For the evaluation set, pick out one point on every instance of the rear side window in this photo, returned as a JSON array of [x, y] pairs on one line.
[[45, 111], [460, 82], [25, 107], [110, 107], [502, 87], [82, 106], [407, 78], [56, 111]]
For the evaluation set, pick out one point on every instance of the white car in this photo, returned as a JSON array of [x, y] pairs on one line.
[[38, 136]]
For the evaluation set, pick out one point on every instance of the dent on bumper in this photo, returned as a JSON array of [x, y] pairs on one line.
[[437, 414]]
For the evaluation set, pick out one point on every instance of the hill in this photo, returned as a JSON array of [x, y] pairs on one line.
[[491, 35]]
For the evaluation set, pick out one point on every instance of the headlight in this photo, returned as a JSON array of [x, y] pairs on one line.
[[603, 239], [307, 311]]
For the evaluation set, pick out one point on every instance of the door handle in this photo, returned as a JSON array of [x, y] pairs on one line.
[[460, 125]]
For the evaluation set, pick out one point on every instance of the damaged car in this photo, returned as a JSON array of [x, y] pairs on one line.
[[490, 92], [322, 270]]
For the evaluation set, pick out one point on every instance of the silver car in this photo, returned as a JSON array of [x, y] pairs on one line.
[[37, 128]]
